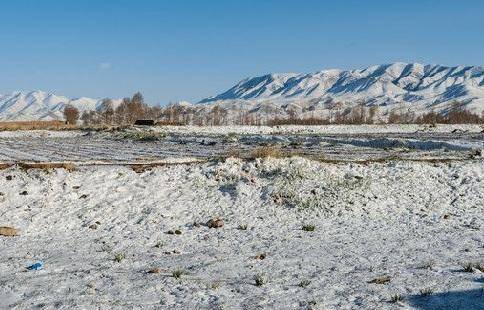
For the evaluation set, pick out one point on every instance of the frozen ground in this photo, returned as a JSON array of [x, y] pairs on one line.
[[100, 228]]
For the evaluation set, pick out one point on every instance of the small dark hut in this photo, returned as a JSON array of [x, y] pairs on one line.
[[145, 122]]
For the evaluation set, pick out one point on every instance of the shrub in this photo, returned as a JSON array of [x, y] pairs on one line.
[[118, 257], [265, 152], [177, 273], [396, 298], [308, 227], [304, 283], [426, 291], [242, 227], [260, 279]]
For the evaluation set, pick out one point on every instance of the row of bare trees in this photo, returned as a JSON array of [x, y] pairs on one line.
[[126, 113], [134, 108]]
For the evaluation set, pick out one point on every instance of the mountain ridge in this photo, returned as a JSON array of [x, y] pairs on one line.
[[403, 86]]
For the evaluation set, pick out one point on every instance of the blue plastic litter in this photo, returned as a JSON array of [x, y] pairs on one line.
[[36, 266]]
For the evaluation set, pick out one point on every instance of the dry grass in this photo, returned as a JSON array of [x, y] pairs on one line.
[[47, 166], [35, 125], [55, 125], [265, 152]]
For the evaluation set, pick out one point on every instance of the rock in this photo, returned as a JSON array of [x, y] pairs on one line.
[[93, 226], [172, 252], [83, 196], [9, 231], [23, 193], [215, 223], [154, 270], [9, 178], [446, 216], [178, 232], [260, 256]]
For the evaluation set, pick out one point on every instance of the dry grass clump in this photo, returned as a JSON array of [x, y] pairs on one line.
[[4, 166], [426, 292], [396, 298], [308, 227], [304, 283], [260, 279], [380, 280], [265, 152], [119, 257], [144, 136], [469, 267], [177, 274]]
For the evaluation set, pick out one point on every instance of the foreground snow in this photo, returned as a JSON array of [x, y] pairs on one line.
[[417, 223]]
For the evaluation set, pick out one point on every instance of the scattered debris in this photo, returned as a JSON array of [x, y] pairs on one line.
[[174, 232], [36, 266]]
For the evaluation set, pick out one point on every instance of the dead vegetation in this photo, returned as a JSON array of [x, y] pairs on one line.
[[47, 166], [380, 280], [265, 152], [36, 125]]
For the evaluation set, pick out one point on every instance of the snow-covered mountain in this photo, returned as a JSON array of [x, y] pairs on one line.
[[398, 86], [39, 105], [417, 87]]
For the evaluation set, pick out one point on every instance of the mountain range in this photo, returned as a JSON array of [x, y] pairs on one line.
[[416, 87]]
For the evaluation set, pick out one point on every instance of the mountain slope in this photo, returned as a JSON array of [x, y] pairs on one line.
[[39, 105], [415, 86], [399, 86]]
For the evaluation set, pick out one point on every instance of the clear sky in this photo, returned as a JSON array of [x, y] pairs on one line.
[[187, 50]]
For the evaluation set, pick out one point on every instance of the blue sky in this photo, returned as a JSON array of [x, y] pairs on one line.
[[187, 50]]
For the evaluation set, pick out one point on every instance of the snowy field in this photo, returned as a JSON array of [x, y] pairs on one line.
[[330, 143], [296, 232]]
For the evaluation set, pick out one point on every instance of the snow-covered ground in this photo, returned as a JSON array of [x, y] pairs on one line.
[[331, 143], [99, 230], [324, 129]]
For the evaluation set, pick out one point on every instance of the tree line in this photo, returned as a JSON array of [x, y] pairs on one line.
[[134, 108], [126, 113]]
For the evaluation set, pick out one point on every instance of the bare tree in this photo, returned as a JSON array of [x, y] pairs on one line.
[[107, 111], [71, 114]]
